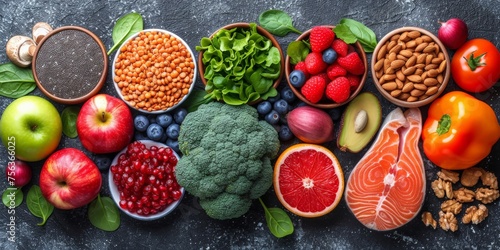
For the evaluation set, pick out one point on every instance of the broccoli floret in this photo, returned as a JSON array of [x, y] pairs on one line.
[[226, 160]]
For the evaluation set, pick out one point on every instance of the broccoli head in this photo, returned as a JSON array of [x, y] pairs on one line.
[[226, 160]]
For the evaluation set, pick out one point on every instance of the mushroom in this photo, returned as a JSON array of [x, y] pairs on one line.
[[40, 30], [20, 50]]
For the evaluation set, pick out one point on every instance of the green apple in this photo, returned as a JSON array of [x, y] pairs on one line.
[[31, 127]]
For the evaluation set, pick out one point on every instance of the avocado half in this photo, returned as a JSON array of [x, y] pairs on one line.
[[350, 141]]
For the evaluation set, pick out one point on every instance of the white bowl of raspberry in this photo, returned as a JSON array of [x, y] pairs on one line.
[[142, 181]]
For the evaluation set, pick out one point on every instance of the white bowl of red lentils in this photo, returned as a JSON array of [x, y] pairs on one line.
[[154, 71]]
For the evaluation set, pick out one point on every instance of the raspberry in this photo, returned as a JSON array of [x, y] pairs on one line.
[[354, 81], [314, 63], [335, 70], [321, 38], [352, 63], [324, 76], [338, 90], [314, 88], [302, 67], [340, 47]]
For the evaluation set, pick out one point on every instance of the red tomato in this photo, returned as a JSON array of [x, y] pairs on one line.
[[475, 66]]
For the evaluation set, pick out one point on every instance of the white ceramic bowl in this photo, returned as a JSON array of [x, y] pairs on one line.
[[115, 194], [195, 72]]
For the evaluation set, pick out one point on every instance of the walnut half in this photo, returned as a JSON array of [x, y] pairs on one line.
[[448, 175], [452, 206], [442, 188], [464, 195], [489, 179], [448, 221], [470, 177], [428, 220], [475, 214], [486, 195]]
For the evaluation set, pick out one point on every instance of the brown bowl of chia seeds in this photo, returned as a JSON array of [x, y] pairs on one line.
[[70, 65]]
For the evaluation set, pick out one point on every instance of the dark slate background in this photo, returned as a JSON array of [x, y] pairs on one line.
[[188, 227]]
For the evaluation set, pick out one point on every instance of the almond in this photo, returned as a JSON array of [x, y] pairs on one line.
[[414, 34], [411, 61], [396, 64], [442, 67], [431, 90], [420, 86], [406, 53], [414, 78], [378, 65], [407, 87], [382, 52], [421, 47], [389, 86]]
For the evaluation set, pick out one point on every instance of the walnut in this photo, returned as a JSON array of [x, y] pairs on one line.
[[452, 206], [442, 188], [464, 195], [428, 220], [470, 177], [448, 221], [489, 179], [486, 195], [475, 214], [448, 175]]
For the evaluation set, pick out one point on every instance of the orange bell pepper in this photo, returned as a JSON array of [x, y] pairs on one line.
[[459, 131]]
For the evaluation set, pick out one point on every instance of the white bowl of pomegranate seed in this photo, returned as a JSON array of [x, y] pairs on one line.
[[142, 181]]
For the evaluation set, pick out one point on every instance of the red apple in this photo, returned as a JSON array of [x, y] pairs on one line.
[[105, 124], [69, 179], [18, 173]]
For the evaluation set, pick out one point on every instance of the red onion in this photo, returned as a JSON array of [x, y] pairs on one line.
[[453, 33], [311, 125], [18, 173]]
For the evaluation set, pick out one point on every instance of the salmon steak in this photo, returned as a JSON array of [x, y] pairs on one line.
[[386, 188]]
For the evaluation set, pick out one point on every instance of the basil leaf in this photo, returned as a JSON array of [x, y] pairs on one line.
[[278, 221], [103, 214], [68, 117], [38, 205], [125, 27], [343, 32], [364, 35], [15, 81], [12, 197], [277, 22], [297, 51]]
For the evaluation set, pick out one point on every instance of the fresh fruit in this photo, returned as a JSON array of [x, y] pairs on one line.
[[352, 63], [272, 117], [69, 179], [386, 188], [179, 115], [164, 120], [31, 127], [340, 47], [288, 95], [173, 131], [141, 123], [264, 107], [285, 133], [311, 125], [302, 67], [329, 56], [281, 106], [313, 89], [348, 139], [474, 66], [335, 70], [173, 144], [308, 180], [338, 90], [453, 33], [105, 124], [354, 81], [314, 63], [321, 38], [155, 132], [102, 162], [18, 173]]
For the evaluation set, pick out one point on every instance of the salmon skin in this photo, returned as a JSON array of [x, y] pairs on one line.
[[386, 188]]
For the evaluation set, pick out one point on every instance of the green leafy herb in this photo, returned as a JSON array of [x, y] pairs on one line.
[[12, 197], [348, 29], [278, 221], [277, 22], [15, 81], [125, 27], [68, 117], [103, 214], [38, 205], [298, 51], [196, 98]]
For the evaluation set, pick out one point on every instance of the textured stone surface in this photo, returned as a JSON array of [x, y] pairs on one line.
[[188, 226]]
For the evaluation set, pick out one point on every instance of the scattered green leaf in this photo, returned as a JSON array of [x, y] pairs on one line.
[[347, 28], [277, 22], [103, 214], [278, 221], [297, 51], [125, 27], [195, 99], [15, 81], [12, 195], [68, 117], [38, 205]]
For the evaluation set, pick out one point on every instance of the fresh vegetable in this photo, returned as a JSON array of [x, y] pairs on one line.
[[103, 214], [453, 33], [311, 125], [352, 31], [278, 221], [474, 66], [18, 173], [195, 99], [459, 131], [241, 65], [297, 51], [38, 205], [15, 81], [125, 27], [227, 158], [277, 22], [68, 118], [12, 197]]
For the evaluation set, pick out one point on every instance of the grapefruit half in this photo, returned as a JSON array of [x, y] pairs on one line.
[[308, 180]]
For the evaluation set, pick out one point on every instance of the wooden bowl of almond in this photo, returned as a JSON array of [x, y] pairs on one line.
[[410, 67]]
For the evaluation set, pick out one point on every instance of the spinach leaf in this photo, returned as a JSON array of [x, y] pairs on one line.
[[103, 214], [363, 34], [38, 205], [15, 81], [124, 27], [12, 197], [277, 22], [278, 221], [196, 98], [297, 51], [68, 117]]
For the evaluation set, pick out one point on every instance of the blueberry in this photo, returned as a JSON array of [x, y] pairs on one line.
[[264, 107], [102, 162], [335, 113], [274, 98], [273, 117], [164, 120], [281, 106], [285, 134], [179, 115], [140, 136], [173, 131], [297, 78], [155, 132], [288, 95], [329, 56], [141, 123], [174, 144]]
